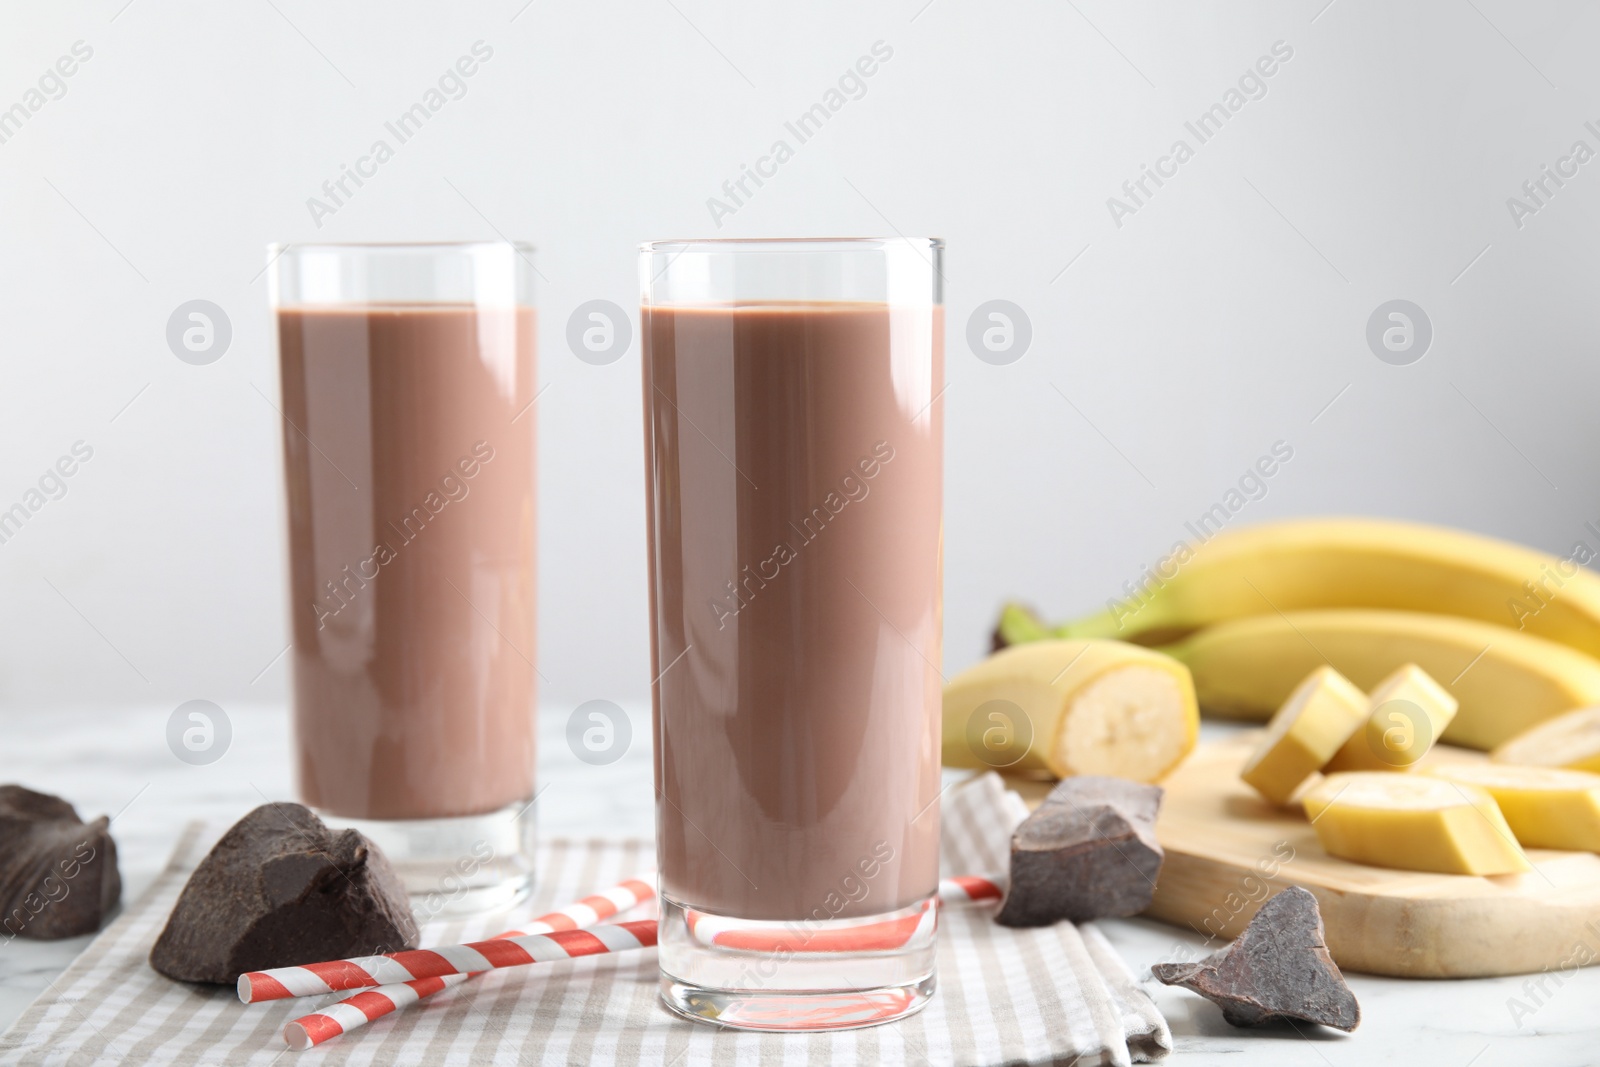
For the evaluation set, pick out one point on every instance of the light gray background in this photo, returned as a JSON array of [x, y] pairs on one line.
[[1228, 313]]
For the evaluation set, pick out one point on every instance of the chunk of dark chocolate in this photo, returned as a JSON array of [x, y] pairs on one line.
[[281, 889], [1279, 968], [58, 874], [1088, 852]]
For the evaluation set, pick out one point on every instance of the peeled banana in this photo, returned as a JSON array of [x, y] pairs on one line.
[[1409, 711], [1413, 822], [1072, 707], [1505, 681], [1317, 719], [1544, 806], [1306, 564], [1571, 740]]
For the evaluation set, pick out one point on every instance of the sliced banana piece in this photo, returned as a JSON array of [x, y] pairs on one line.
[[1571, 740], [1406, 714], [1319, 716], [1413, 822], [1072, 707], [1545, 807]]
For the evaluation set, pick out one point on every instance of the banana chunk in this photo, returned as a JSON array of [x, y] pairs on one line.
[[1407, 713], [1545, 807], [1571, 740], [1072, 707], [1413, 822], [1319, 716]]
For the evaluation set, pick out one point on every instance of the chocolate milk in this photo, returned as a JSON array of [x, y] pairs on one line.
[[410, 464], [796, 545]]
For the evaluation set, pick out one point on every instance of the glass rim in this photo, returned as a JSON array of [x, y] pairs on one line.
[[789, 245], [279, 248]]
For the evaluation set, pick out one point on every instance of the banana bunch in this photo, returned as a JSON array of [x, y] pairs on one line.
[[1304, 564], [1512, 633]]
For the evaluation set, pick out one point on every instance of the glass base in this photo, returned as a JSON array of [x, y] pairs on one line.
[[460, 866], [800, 975]]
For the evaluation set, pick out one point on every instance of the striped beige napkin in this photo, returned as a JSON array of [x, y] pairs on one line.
[[1058, 995]]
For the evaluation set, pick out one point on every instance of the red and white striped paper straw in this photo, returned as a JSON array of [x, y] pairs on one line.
[[971, 889], [795, 937], [363, 972], [395, 980], [362, 1008]]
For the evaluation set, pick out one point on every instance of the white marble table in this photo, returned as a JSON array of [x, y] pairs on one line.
[[117, 761]]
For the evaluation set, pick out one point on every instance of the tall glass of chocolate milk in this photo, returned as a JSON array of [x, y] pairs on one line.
[[794, 431], [408, 438]]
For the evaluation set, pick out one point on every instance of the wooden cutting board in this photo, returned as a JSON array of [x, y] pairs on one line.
[[1228, 851]]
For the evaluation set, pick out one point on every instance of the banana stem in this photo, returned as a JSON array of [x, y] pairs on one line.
[[1019, 625], [1100, 625]]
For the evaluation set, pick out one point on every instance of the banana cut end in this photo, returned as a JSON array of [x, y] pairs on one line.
[[1067, 707], [1131, 722]]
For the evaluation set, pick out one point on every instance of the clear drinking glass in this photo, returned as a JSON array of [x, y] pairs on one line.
[[408, 382], [795, 449]]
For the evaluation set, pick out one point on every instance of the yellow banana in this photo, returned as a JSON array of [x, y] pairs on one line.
[[1072, 707], [1322, 713], [1414, 823], [1505, 681], [1306, 564], [1546, 807], [1409, 711]]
